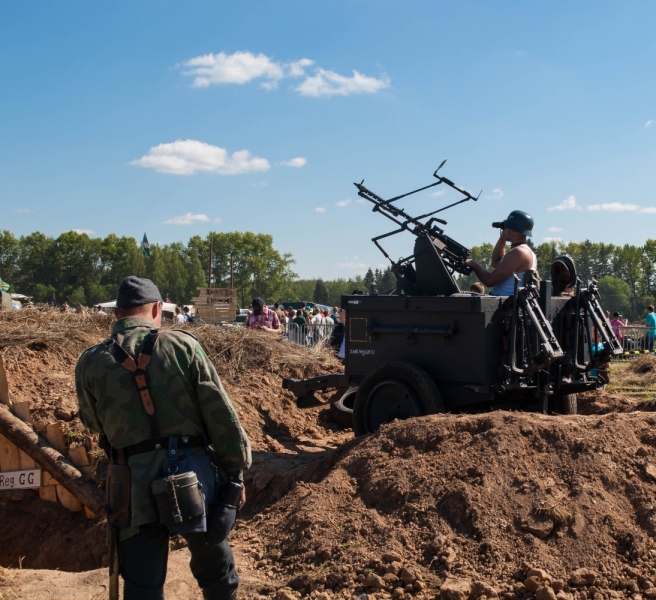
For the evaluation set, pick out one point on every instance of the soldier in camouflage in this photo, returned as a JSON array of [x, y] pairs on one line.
[[190, 403]]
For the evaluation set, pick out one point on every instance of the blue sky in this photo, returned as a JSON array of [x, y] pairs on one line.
[[126, 116]]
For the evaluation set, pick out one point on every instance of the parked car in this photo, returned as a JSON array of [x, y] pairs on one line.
[[242, 316]]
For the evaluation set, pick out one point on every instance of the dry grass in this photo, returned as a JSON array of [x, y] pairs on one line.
[[235, 351], [64, 335], [639, 373]]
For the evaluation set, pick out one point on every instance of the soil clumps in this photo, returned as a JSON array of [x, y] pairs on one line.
[[508, 502]]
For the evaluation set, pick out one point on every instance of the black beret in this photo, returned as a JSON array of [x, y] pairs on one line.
[[135, 291]]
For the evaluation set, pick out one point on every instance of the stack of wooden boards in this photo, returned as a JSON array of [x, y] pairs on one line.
[[13, 459], [59, 473], [216, 305]]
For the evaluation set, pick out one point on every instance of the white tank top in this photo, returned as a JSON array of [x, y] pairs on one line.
[[507, 286]]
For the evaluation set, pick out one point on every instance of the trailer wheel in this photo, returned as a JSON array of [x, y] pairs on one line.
[[341, 411], [566, 404], [395, 390]]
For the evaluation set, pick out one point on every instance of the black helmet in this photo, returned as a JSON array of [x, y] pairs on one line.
[[519, 221]]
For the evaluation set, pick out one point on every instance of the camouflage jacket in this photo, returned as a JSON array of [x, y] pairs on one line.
[[187, 393]]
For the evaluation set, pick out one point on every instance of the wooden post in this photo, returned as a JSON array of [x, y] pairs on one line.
[[55, 437], [51, 461], [4, 384], [232, 272], [22, 411], [9, 459]]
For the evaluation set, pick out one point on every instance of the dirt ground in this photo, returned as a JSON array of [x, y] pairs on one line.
[[504, 504]]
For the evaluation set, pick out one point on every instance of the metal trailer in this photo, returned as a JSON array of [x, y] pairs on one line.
[[429, 348]]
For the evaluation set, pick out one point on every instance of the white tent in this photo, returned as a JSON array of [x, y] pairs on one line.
[[166, 306]]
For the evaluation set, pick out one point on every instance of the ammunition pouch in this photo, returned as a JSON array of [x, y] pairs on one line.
[[179, 498], [117, 490]]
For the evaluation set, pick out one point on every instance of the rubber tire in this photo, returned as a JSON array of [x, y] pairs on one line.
[[341, 411], [413, 377], [565, 405]]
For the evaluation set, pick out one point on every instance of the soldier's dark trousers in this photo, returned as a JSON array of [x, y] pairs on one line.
[[143, 559]]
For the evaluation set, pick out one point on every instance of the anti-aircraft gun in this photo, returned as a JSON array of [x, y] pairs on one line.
[[429, 348]]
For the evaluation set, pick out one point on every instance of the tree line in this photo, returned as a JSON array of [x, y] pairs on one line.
[[87, 270], [626, 274]]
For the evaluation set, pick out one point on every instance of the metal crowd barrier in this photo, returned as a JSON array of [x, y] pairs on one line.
[[636, 340], [308, 335]]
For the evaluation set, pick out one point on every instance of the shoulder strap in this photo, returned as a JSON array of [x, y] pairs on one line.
[[138, 370]]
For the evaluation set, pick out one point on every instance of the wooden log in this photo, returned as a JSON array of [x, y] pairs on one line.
[[67, 500], [49, 494], [9, 460], [22, 411], [4, 383], [51, 461], [55, 436], [78, 456], [25, 461]]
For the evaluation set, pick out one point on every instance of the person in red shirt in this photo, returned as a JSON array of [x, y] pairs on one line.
[[262, 318]]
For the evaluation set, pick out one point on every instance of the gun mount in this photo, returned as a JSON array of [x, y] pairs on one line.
[[429, 348], [436, 256]]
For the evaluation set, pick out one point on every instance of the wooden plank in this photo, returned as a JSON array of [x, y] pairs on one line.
[[9, 460], [25, 461], [90, 514], [48, 479], [4, 384], [49, 494], [22, 411], [55, 437], [67, 500], [78, 456]]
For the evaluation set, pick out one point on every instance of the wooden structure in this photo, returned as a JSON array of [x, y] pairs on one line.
[[216, 305]]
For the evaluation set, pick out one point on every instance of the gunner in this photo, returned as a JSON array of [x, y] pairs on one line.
[[519, 259]]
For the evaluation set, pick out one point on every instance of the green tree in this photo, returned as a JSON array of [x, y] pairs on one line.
[[9, 258], [615, 295], [369, 280], [320, 295]]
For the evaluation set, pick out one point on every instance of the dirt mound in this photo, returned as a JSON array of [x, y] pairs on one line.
[[481, 497]]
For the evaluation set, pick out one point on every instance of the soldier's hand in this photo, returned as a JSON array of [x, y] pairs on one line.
[[242, 499]]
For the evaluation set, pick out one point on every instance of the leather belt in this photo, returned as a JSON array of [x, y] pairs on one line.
[[184, 441]]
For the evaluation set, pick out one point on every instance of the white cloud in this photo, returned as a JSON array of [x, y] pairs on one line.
[[650, 124], [497, 194], [23, 211], [320, 209], [567, 204], [188, 219], [614, 207], [351, 265], [243, 67], [329, 83], [549, 239], [297, 162], [648, 209], [343, 203], [361, 201], [81, 231], [555, 229], [240, 68], [186, 157], [439, 193]]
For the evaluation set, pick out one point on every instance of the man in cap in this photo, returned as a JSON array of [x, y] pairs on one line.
[[168, 416], [519, 259], [262, 317]]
